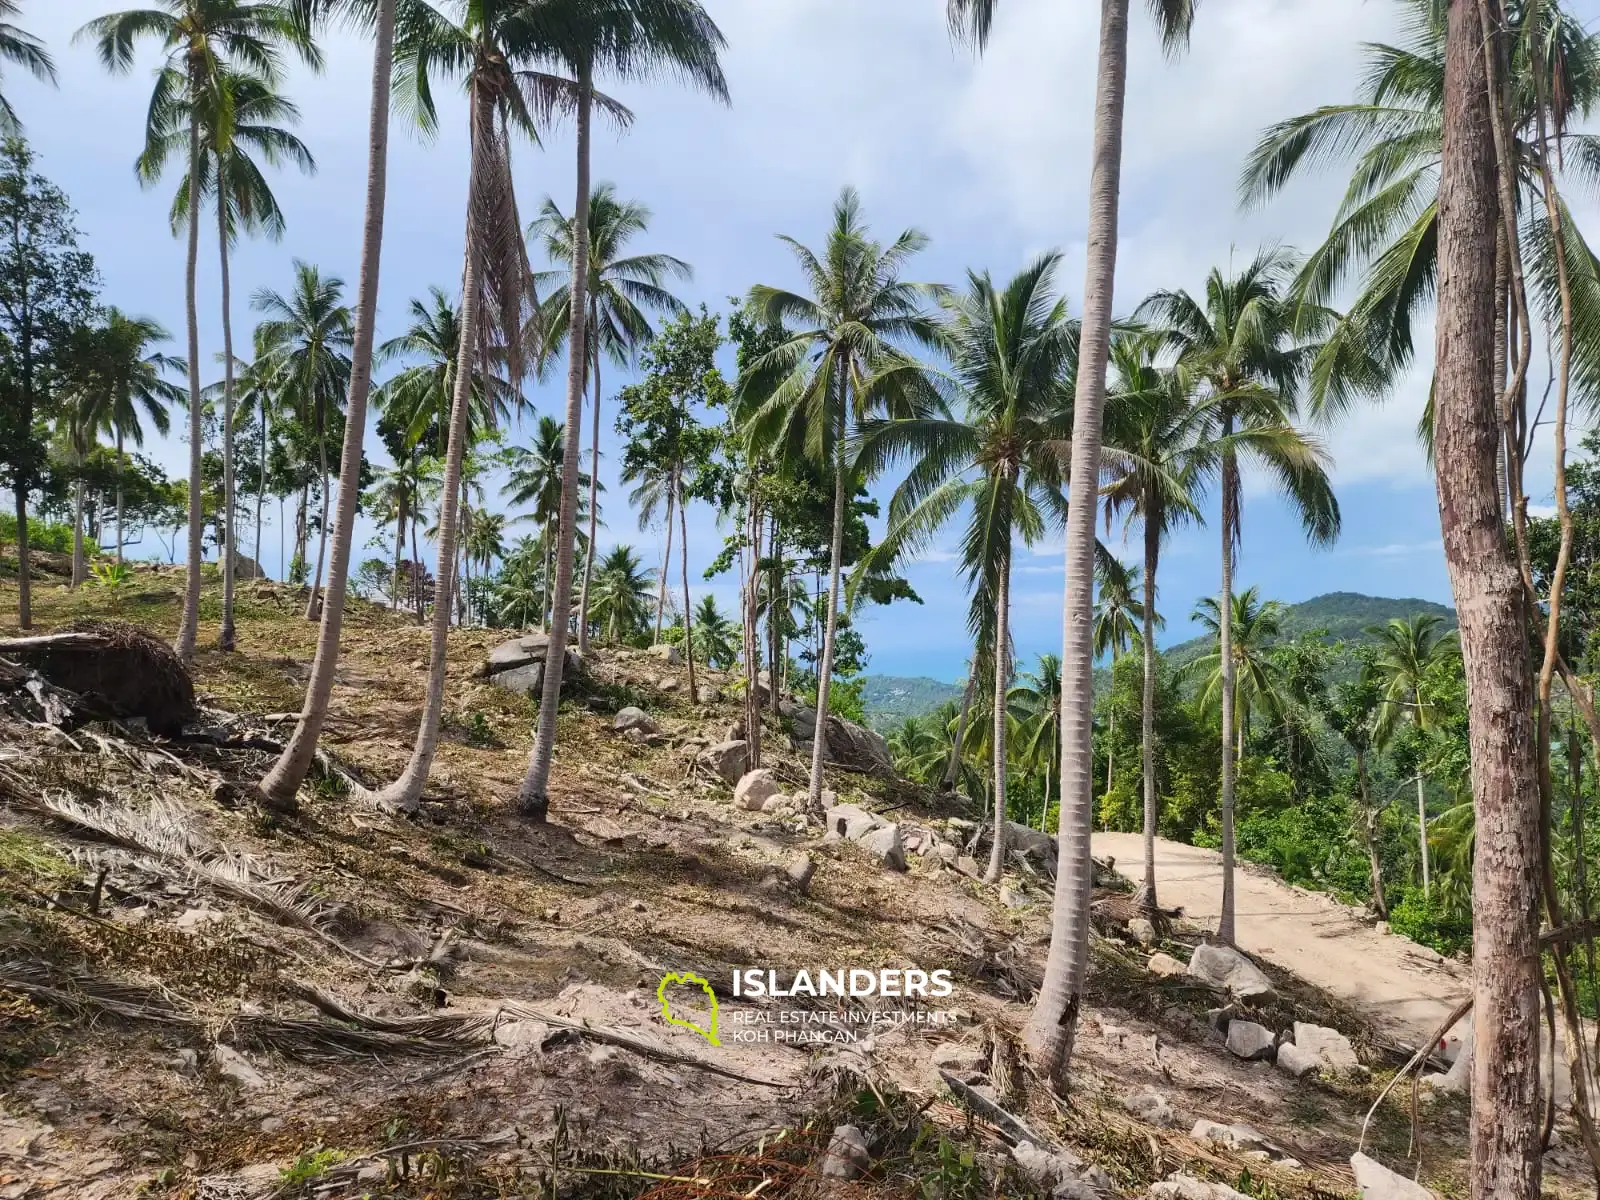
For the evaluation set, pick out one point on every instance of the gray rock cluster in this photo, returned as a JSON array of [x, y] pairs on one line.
[[518, 665]]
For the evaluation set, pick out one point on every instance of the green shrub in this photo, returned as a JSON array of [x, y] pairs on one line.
[[42, 535], [1432, 922]]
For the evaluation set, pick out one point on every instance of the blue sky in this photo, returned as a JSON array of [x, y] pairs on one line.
[[989, 157]]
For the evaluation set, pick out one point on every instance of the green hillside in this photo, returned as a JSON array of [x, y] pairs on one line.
[[1342, 616], [890, 699]]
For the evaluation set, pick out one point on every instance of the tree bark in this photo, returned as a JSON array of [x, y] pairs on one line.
[[666, 564], [261, 494], [777, 615], [1230, 751], [533, 799], [688, 609], [1053, 1028], [80, 571], [226, 636], [819, 743], [399, 551], [1002, 605], [594, 492], [752, 641], [314, 603], [1505, 1115], [283, 781], [1111, 726], [1369, 824], [952, 769], [1422, 836], [1147, 703], [189, 625], [122, 461]]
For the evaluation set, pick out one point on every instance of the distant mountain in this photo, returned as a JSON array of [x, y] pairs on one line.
[[1341, 616], [890, 699]]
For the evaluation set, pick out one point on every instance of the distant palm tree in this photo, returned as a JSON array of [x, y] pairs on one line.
[[1037, 701], [306, 338], [620, 289], [1260, 684], [840, 361], [1117, 618], [21, 47], [1408, 652], [533, 482], [621, 600], [916, 748], [393, 497], [417, 399], [714, 634]]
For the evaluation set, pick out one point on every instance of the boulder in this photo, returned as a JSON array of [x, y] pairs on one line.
[[802, 717], [1224, 967], [1377, 1182], [755, 788], [850, 822], [799, 872], [519, 652], [1238, 1136], [1142, 931], [1329, 1046], [1165, 965], [706, 694], [1248, 1040], [526, 680], [884, 844], [667, 654], [858, 749], [634, 718], [779, 802], [1187, 1187], [846, 1156], [1294, 1061], [667, 683], [233, 1065], [1028, 842], [245, 567], [1060, 1176], [727, 759], [1150, 1106]]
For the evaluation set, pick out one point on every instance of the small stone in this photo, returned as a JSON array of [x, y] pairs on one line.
[[521, 1034], [551, 914], [1329, 1045], [271, 1124], [706, 694], [1187, 1187], [884, 844], [667, 653], [1010, 898], [194, 918], [667, 683], [778, 804], [1165, 965], [637, 906], [1377, 1182], [755, 788], [1235, 1137], [1224, 967], [847, 1156], [1150, 1106], [632, 718], [1142, 931], [601, 1055], [799, 871], [968, 865], [233, 1065], [1248, 1040], [1383, 928], [1294, 1061], [187, 1062]]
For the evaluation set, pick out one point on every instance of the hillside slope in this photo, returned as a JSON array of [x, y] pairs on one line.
[[891, 699], [1339, 616]]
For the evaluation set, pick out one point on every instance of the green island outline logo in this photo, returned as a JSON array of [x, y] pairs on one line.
[[687, 978]]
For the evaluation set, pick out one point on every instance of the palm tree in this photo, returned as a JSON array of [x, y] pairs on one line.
[[533, 482], [1258, 676], [393, 497], [630, 40], [260, 393], [1117, 618], [916, 748], [1162, 453], [200, 39], [1242, 345], [714, 634], [238, 124], [307, 336], [1037, 700], [1053, 1027], [619, 290], [19, 46], [621, 595], [418, 398], [1408, 652], [800, 400], [1012, 354], [283, 780]]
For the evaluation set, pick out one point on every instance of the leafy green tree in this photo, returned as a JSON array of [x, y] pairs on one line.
[[533, 482], [19, 46], [47, 290], [1260, 685], [714, 634], [1352, 712], [417, 399], [1118, 617], [621, 601]]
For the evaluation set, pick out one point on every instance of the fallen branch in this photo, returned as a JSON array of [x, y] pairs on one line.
[[1012, 1126], [1424, 1051]]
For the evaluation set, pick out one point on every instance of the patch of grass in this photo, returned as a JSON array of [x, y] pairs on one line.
[[27, 856], [311, 1165]]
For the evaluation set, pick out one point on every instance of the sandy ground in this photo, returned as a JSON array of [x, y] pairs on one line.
[[1406, 987]]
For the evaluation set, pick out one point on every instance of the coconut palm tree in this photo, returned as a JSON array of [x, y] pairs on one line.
[[533, 482], [200, 40], [1053, 1026], [1037, 702], [1117, 619], [628, 40], [241, 121], [621, 598], [1258, 676], [307, 337], [714, 634], [841, 361], [393, 497], [19, 46], [1408, 652], [1012, 352], [620, 289], [1243, 345], [1162, 454], [916, 748]]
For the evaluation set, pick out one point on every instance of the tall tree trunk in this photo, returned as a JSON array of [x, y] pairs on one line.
[[533, 799], [399, 552], [1111, 725], [282, 782], [841, 483], [19, 489], [777, 615], [1505, 1117], [314, 604], [666, 563], [419, 598], [952, 768], [189, 625], [594, 492], [1002, 660], [1369, 824], [683, 559], [301, 532], [1422, 836], [261, 493], [230, 552], [1052, 1030], [1147, 703], [1230, 752], [752, 641], [546, 601], [122, 464], [80, 570], [1044, 813]]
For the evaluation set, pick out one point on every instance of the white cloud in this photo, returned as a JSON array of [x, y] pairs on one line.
[[1394, 549]]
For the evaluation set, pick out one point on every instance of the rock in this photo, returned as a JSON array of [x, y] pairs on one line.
[[846, 1156], [271, 1124], [1248, 1040], [1235, 1137], [527, 680], [1383, 928], [1165, 965], [850, 822], [706, 694], [884, 844], [1142, 931], [187, 1062], [519, 652], [1224, 967], [668, 654], [1187, 1187], [194, 918], [1377, 1182], [799, 871], [632, 718], [667, 683], [727, 759], [1009, 898], [945, 853], [755, 788], [1330, 1046], [521, 1034], [959, 1058], [779, 804], [245, 567], [968, 865], [1029, 843], [232, 1065], [1292, 1060], [1150, 1106], [858, 749]]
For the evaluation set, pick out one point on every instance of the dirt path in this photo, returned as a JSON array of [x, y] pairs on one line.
[[1407, 987]]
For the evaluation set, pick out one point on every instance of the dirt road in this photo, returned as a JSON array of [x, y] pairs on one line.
[[1409, 988]]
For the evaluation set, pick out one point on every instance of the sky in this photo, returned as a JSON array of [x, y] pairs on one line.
[[987, 155]]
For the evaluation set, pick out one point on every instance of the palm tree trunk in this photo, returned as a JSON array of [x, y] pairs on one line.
[[230, 553], [80, 570], [666, 562], [1506, 962], [683, 558], [1369, 824], [1153, 520], [1111, 724], [283, 780], [546, 607], [952, 769], [189, 625], [1053, 1028], [594, 494], [1044, 813], [301, 531], [777, 614], [819, 744], [19, 494], [1422, 836], [752, 641], [261, 490], [533, 799], [314, 604], [399, 552], [1230, 524], [1002, 614], [418, 584], [122, 460]]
